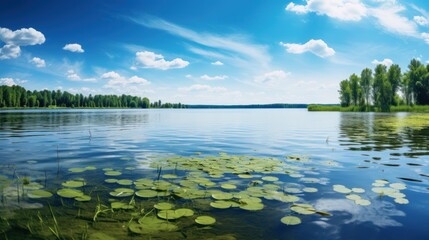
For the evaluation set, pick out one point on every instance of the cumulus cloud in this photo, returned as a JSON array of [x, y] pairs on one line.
[[386, 62], [74, 76], [206, 77], [7, 81], [9, 51], [148, 59], [202, 87], [425, 37], [386, 12], [14, 39], [317, 47], [345, 10], [40, 63], [217, 63], [116, 80], [420, 20], [272, 77], [74, 47]]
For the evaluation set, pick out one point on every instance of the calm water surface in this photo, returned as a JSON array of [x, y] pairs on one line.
[[350, 149]]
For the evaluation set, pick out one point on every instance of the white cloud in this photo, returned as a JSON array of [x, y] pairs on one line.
[[9, 51], [14, 39], [7, 81], [272, 77], [345, 10], [206, 77], [117, 81], [74, 76], [40, 63], [74, 47], [388, 16], [386, 62], [231, 45], [21, 37], [217, 63], [202, 87], [317, 47], [425, 37], [148, 59], [386, 12], [420, 20]]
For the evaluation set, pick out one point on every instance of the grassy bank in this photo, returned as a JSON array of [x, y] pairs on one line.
[[337, 108]]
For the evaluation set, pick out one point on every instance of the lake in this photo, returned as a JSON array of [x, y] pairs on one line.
[[233, 173]]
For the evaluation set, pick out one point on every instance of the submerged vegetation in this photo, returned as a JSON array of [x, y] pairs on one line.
[[177, 197], [18, 97]]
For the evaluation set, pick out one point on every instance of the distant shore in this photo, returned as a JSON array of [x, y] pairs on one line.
[[337, 108]]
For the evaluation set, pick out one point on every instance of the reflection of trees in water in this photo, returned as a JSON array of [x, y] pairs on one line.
[[53, 121], [367, 131]]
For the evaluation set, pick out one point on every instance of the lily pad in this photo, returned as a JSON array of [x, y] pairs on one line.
[[125, 182], [363, 202], [169, 214], [398, 186], [69, 193], [186, 212], [252, 206], [111, 180], [205, 220], [83, 198], [222, 196], [270, 178], [122, 192], [73, 183], [228, 186], [146, 193], [221, 204], [77, 170], [358, 190], [401, 200], [112, 173], [309, 189], [163, 206], [39, 194], [291, 220]]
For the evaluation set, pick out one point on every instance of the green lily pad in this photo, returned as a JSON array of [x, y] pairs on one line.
[[146, 193], [121, 205], [169, 176], [205, 220], [169, 214], [185, 212], [125, 182], [163, 206], [291, 220], [252, 206], [39, 194], [341, 189], [152, 225], [69, 193], [112, 173], [111, 180], [353, 197], [73, 183], [221, 204], [270, 178], [77, 170], [222, 196], [358, 190], [228, 186], [303, 209], [83, 198], [90, 168], [122, 192]]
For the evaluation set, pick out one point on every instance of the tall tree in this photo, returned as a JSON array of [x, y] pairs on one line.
[[345, 93], [394, 78], [365, 83], [354, 88], [378, 84]]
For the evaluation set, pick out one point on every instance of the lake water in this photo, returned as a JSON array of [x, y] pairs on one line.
[[380, 161]]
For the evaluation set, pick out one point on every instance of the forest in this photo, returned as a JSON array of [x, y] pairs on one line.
[[18, 97], [384, 87]]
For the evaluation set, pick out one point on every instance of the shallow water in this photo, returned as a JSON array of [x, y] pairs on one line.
[[350, 149]]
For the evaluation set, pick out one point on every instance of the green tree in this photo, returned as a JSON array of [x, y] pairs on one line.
[[378, 84], [366, 83], [394, 78], [345, 93], [354, 88]]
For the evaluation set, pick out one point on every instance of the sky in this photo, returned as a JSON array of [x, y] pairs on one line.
[[207, 52]]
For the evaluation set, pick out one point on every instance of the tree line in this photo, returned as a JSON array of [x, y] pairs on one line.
[[18, 97], [379, 89]]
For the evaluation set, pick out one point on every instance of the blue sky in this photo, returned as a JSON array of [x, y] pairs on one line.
[[207, 52]]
